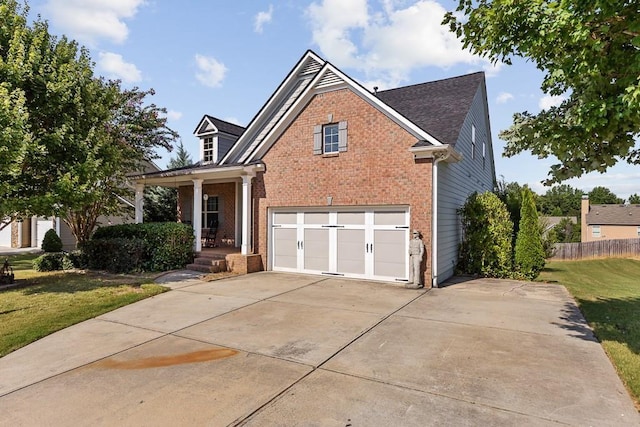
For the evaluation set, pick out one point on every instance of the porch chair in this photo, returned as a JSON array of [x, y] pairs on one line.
[[209, 237]]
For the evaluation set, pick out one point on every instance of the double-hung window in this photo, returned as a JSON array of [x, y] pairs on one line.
[[330, 138], [211, 212], [595, 231], [208, 153]]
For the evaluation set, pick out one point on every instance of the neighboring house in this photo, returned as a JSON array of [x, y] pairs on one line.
[[606, 222], [29, 233], [549, 222], [329, 178]]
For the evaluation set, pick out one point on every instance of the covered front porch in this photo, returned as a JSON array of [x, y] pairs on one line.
[[216, 201]]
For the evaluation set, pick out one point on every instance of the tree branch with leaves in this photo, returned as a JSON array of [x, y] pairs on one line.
[[589, 52]]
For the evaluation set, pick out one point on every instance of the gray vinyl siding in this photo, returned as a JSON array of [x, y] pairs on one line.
[[224, 145], [456, 181]]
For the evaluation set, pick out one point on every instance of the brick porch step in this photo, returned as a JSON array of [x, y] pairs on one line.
[[209, 263]]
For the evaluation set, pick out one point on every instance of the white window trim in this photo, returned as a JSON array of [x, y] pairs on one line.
[[214, 149], [324, 138], [595, 231], [205, 213]]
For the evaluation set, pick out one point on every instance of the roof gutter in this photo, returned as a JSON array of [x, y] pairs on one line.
[[440, 153]]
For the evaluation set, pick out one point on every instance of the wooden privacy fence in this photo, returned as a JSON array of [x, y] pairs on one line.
[[598, 249]]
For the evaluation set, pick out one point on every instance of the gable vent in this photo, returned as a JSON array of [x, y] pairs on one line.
[[328, 79], [311, 67]]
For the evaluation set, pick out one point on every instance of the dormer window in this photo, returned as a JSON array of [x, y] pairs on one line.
[[208, 150]]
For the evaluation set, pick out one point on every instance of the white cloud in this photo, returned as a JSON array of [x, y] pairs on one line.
[[233, 120], [211, 71], [389, 43], [174, 115], [549, 101], [262, 18], [503, 97], [622, 182], [92, 20], [114, 66]]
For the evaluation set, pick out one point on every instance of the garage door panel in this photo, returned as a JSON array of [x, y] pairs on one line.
[[316, 218], [284, 217], [316, 249], [390, 253], [285, 250], [389, 218], [351, 218], [351, 254]]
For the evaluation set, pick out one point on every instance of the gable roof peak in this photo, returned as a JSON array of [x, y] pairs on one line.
[[220, 125]]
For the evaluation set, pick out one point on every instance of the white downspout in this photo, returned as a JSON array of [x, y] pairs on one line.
[[437, 158]]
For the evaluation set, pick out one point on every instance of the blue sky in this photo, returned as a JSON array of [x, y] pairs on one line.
[[225, 58]]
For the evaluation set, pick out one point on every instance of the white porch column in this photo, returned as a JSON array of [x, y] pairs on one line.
[[246, 214], [139, 203], [197, 213]]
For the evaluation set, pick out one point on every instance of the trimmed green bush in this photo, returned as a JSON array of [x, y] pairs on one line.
[[530, 254], [486, 249], [150, 247], [116, 255], [54, 261], [50, 261], [51, 242]]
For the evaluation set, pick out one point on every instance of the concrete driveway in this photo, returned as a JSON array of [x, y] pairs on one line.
[[283, 349]]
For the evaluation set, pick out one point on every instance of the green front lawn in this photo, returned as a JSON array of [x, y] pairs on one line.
[[608, 293], [54, 300]]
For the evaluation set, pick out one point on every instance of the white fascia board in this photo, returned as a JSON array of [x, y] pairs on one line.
[[444, 151], [173, 178], [204, 119], [306, 95], [262, 118]]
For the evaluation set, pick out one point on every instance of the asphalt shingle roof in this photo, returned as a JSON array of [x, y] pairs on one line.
[[226, 127], [613, 215], [438, 107]]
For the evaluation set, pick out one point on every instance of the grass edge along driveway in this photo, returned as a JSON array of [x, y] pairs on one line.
[[608, 294], [47, 302]]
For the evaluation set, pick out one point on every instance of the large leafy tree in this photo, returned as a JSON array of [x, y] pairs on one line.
[[589, 52], [561, 200], [161, 203], [603, 196], [71, 138], [634, 199]]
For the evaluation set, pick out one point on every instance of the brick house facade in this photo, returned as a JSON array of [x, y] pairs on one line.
[[299, 203]]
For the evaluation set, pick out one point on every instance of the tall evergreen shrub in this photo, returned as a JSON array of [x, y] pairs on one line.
[[486, 248], [530, 254], [51, 241]]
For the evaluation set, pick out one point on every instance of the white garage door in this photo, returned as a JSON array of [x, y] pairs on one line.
[[365, 243], [5, 236]]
